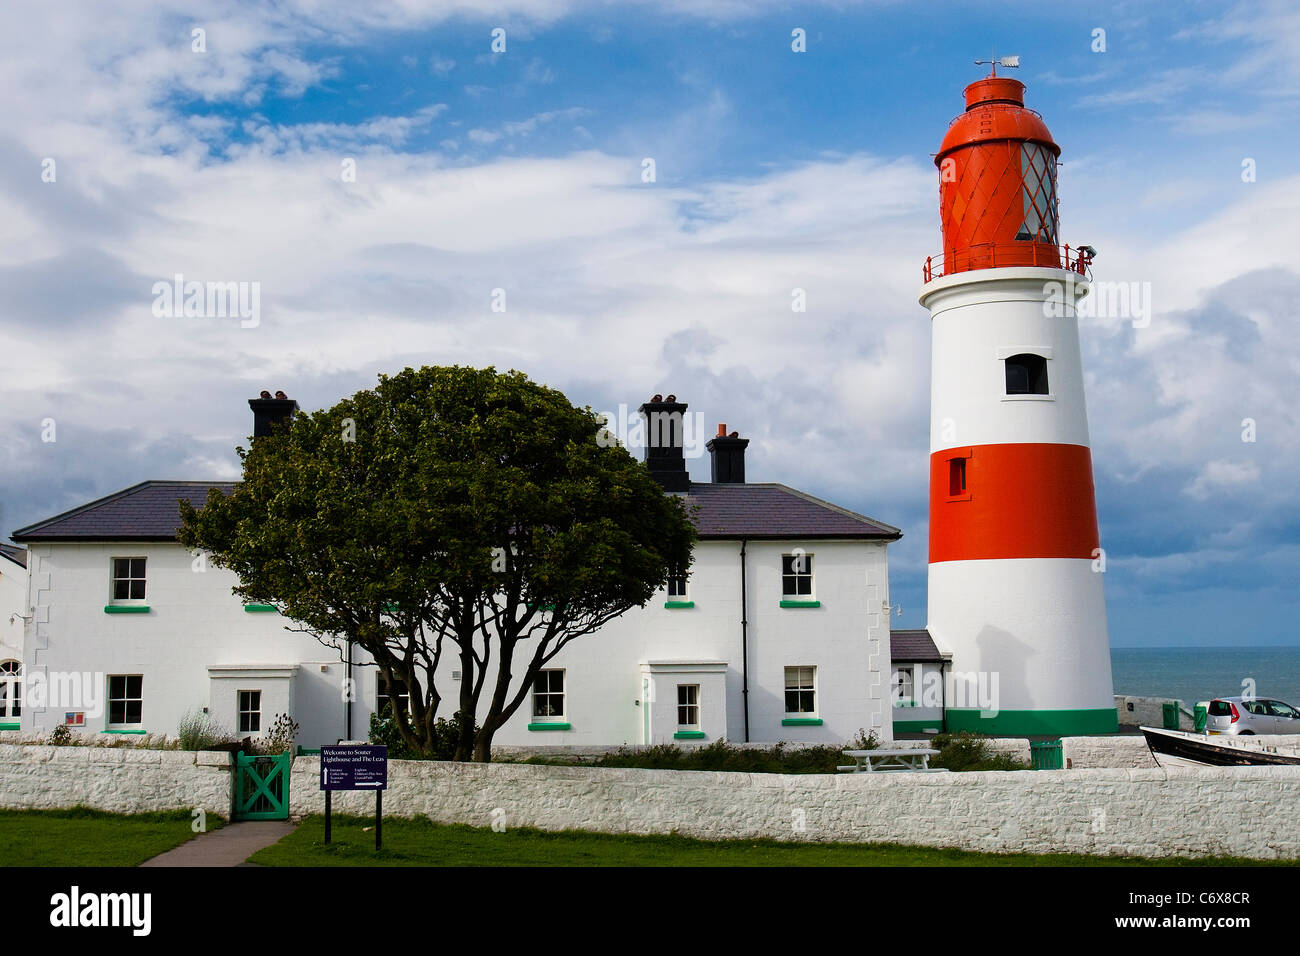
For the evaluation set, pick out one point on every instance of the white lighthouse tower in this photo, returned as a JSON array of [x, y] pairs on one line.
[[1015, 592]]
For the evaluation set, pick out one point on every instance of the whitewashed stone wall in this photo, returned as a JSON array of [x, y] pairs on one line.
[[1149, 711], [117, 779], [1122, 751], [1115, 812]]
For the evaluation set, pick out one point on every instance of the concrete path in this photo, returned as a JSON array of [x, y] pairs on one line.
[[229, 846]]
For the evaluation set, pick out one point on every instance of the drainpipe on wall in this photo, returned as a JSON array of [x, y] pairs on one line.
[[943, 699], [352, 692], [744, 640]]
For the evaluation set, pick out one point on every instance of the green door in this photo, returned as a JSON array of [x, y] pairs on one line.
[[262, 787]]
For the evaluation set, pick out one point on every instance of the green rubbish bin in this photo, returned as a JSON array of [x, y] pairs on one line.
[[1199, 712], [1046, 755], [1169, 709]]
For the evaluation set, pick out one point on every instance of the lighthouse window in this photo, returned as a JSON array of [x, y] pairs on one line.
[[1026, 374], [956, 477], [1038, 173]]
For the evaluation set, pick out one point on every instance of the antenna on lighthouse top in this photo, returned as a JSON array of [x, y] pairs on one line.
[[1010, 62]]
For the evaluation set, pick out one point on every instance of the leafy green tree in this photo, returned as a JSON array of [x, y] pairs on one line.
[[448, 511]]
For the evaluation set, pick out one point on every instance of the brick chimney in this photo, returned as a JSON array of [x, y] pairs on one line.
[[664, 442], [269, 412], [728, 454]]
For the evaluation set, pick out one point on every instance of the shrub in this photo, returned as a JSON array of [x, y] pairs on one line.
[[446, 734], [60, 736], [198, 729], [283, 732], [967, 751], [720, 755]]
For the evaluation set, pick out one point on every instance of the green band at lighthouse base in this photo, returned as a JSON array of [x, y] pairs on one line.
[[1054, 723]]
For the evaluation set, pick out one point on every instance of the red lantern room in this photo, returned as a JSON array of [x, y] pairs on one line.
[[997, 183]]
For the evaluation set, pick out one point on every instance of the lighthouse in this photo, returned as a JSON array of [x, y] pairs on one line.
[[1015, 567]]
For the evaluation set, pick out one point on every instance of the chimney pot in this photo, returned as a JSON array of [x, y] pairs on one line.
[[671, 398], [270, 413], [728, 457], [657, 398]]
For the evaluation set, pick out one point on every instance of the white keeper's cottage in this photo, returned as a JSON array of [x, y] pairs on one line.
[[779, 632]]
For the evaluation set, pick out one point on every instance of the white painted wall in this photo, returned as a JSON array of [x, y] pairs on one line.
[[1039, 624], [194, 623], [978, 318]]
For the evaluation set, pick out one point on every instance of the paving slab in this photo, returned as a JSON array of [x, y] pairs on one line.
[[230, 845]]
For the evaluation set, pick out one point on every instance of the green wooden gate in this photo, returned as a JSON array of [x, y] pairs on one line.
[[1046, 755], [262, 787]]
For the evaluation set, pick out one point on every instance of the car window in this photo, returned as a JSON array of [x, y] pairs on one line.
[[1279, 709], [1219, 708], [1257, 707]]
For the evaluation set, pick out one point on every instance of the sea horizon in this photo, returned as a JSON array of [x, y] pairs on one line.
[[1195, 672]]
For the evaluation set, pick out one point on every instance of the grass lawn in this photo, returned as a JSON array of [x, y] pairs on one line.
[[84, 837], [421, 843]]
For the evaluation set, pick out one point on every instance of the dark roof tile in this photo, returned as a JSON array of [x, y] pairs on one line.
[[147, 511], [776, 511], [915, 646]]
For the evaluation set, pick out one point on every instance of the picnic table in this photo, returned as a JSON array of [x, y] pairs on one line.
[[913, 759]]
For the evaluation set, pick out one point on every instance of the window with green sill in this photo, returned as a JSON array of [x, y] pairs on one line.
[[128, 580], [800, 692], [797, 579], [678, 584], [125, 701]]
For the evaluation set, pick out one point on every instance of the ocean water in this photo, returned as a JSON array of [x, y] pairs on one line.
[[1192, 674]]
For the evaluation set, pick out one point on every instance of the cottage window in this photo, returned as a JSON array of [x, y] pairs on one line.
[[250, 711], [677, 584], [548, 694], [11, 690], [125, 700], [128, 579], [688, 706], [801, 690], [903, 685], [386, 692], [796, 575]]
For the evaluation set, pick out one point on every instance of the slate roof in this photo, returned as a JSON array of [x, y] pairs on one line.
[[735, 510], [148, 512], [144, 512], [17, 555], [915, 646]]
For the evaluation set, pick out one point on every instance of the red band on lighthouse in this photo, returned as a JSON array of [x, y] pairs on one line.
[[1019, 501]]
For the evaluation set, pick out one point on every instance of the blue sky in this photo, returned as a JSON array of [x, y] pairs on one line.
[[522, 171]]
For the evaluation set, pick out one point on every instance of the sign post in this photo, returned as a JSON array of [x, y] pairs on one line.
[[355, 768]]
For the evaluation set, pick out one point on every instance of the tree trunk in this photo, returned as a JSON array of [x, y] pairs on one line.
[[465, 741]]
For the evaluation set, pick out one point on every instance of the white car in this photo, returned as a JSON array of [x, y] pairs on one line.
[[1256, 715]]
